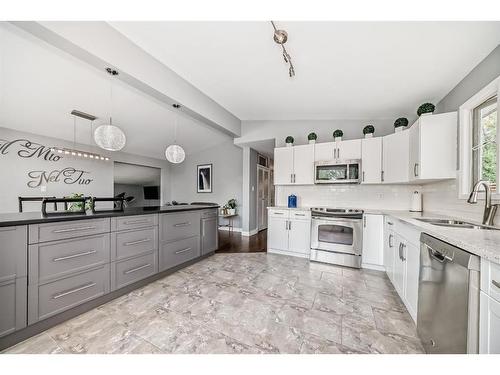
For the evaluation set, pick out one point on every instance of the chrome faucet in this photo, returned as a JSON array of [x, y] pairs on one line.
[[489, 209]]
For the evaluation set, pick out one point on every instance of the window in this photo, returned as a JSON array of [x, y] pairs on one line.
[[484, 142]]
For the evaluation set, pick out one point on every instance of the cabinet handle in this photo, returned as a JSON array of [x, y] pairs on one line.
[[495, 283], [135, 221], [183, 250], [183, 224], [415, 169], [382, 176], [74, 256], [391, 237], [136, 242], [72, 229], [403, 257], [80, 288], [300, 214], [291, 178], [289, 225], [338, 153], [137, 269], [364, 221], [286, 225], [399, 251], [363, 176], [278, 213]]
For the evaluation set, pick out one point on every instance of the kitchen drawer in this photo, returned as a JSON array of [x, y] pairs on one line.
[[300, 215], [13, 252], [135, 242], [277, 212], [52, 260], [67, 229], [13, 298], [133, 222], [52, 298], [175, 253], [176, 226], [213, 212], [132, 270], [490, 279]]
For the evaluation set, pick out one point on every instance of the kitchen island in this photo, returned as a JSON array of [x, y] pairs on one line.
[[55, 267]]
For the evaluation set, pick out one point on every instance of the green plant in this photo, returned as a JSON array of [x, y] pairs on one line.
[[289, 139], [312, 137], [231, 204], [369, 129], [402, 121], [338, 133], [77, 206], [426, 108]]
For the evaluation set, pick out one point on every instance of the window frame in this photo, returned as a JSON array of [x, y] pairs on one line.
[[466, 129]]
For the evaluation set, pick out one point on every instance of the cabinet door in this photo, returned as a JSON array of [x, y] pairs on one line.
[[412, 256], [371, 160], [283, 165], [399, 266], [489, 325], [373, 241], [303, 165], [299, 235], [349, 149], [414, 156], [389, 253], [324, 151], [13, 298], [208, 235], [396, 157], [277, 233]]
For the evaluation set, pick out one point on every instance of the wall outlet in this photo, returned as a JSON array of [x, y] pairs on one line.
[[43, 188]]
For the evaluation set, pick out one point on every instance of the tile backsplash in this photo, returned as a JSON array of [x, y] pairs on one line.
[[389, 197]]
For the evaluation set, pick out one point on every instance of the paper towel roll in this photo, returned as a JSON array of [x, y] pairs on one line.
[[416, 202]]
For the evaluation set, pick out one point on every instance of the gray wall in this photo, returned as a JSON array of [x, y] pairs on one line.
[[226, 160]]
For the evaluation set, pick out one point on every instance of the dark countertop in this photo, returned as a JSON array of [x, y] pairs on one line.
[[25, 218]]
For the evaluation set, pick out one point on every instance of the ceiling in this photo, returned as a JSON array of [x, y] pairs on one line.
[[132, 174], [41, 85], [343, 69]]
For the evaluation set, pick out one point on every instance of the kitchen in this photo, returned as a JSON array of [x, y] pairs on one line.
[[150, 206]]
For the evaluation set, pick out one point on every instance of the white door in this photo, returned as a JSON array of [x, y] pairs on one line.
[[412, 255], [324, 151], [263, 196], [414, 157], [349, 149], [283, 165], [389, 253], [371, 160], [299, 236], [489, 325], [277, 233], [399, 266], [373, 241], [303, 166], [395, 157]]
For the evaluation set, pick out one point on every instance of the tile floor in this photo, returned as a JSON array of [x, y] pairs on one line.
[[244, 303]]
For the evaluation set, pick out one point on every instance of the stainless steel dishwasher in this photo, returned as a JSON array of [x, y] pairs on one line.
[[448, 298]]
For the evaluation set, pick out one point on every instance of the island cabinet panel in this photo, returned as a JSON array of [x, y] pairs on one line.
[[131, 270], [175, 253], [134, 242], [13, 278], [179, 225], [133, 222], [68, 229]]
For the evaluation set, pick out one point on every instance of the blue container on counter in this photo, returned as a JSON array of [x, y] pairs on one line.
[[292, 201]]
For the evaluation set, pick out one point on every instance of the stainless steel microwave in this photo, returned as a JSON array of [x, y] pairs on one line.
[[337, 172]]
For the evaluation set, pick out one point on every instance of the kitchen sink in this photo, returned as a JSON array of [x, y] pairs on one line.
[[455, 224]]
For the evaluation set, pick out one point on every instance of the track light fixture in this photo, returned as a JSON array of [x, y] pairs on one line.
[[281, 37]]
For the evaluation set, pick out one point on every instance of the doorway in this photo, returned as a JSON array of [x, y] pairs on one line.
[[263, 195]]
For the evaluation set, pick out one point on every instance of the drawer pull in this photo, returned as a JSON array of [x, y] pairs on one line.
[[72, 229], [136, 221], [300, 214], [136, 242], [278, 213], [183, 224], [183, 250], [80, 288], [389, 223], [495, 283], [137, 269], [74, 256]]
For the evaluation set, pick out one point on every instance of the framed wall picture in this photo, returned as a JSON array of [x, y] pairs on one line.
[[204, 178]]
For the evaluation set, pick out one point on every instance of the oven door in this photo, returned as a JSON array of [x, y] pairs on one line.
[[337, 235]]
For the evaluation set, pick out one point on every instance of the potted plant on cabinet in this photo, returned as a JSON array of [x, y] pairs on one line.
[[426, 109], [289, 141], [337, 135], [400, 123], [311, 137], [368, 131]]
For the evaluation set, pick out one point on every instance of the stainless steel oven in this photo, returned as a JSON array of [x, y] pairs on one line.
[[337, 236], [337, 172]]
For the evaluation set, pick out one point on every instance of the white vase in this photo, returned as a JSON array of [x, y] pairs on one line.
[[231, 211], [369, 135], [312, 141], [289, 144], [337, 139], [398, 129], [426, 114]]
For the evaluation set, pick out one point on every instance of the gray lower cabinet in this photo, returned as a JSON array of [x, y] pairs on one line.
[[133, 222], [209, 231], [179, 225], [13, 278], [67, 229], [134, 242], [131, 270], [174, 253]]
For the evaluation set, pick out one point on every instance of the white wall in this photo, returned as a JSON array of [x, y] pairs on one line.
[[15, 171]]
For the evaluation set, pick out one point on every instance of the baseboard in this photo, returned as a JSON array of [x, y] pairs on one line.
[[290, 253], [372, 267], [232, 230], [250, 233]]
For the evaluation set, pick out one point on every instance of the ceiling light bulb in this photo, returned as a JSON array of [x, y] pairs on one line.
[[175, 154]]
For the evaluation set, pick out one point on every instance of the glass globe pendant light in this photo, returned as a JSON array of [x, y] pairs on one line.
[[175, 153], [108, 136]]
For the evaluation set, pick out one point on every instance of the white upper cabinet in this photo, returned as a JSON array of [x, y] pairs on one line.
[[371, 163], [396, 157], [294, 165], [433, 147], [325, 151], [349, 149]]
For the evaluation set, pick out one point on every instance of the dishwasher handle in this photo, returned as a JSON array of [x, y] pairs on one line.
[[439, 256]]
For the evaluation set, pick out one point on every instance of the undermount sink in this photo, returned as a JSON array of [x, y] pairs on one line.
[[456, 224]]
